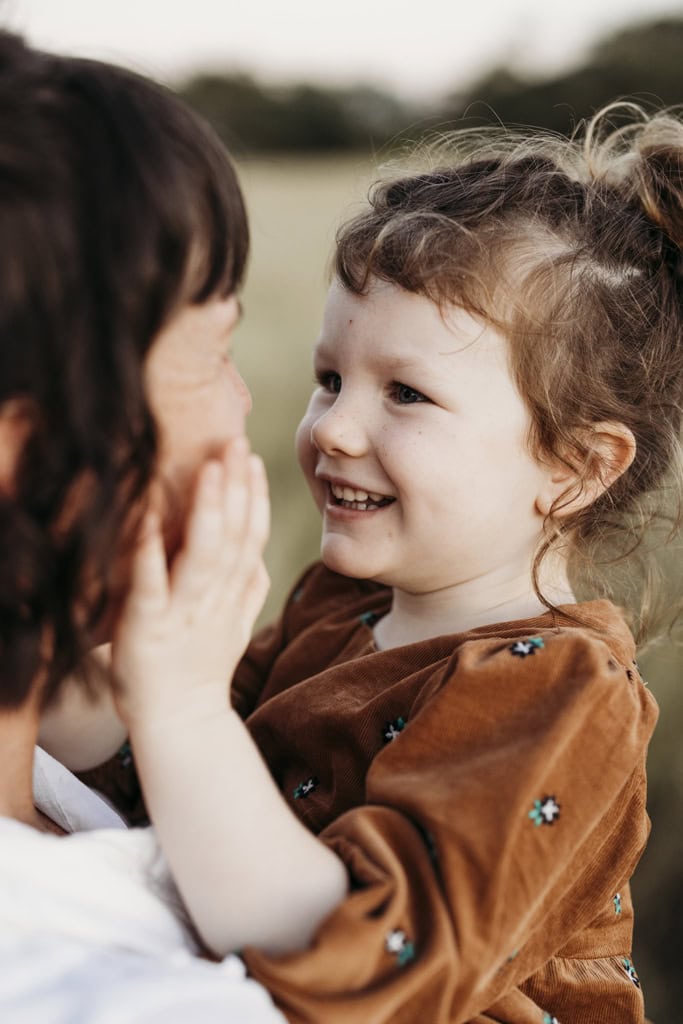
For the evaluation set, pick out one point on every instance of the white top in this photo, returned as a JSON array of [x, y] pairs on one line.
[[92, 929]]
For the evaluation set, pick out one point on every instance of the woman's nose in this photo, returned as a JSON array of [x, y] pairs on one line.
[[243, 392]]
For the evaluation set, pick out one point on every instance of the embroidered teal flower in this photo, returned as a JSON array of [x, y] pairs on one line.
[[306, 788], [369, 618], [430, 843], [616, 900], [631, 972], [523, 648], [125, 754], [545, 811], [393, 729], [398, 945]]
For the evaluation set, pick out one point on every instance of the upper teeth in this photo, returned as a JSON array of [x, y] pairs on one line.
[[350, 494]]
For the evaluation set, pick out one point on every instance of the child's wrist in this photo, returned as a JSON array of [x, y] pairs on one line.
[[165, 713]]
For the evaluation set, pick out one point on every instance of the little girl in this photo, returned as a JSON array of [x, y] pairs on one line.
[[499, 383]]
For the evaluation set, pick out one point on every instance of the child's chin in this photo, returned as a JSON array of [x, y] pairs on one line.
[[341, 563]]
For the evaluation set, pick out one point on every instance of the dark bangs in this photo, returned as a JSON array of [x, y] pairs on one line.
[[165, 210]]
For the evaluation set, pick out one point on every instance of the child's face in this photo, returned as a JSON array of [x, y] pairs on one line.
[[414, 446]]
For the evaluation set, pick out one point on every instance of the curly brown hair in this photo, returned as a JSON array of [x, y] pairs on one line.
[[117, 206], [572, 248]]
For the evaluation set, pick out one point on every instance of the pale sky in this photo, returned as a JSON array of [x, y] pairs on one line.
[[420, 48]]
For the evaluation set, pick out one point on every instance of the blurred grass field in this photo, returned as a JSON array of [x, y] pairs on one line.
[[295, 206]]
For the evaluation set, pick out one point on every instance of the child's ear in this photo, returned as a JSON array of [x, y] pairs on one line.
[[609, 448]]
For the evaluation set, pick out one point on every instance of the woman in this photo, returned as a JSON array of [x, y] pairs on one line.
[[124, 242]]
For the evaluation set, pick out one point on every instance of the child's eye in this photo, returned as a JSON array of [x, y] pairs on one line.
[[405, 395], [329, 381]]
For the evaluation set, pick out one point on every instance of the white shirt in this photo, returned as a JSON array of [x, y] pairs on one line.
[[92, 930]]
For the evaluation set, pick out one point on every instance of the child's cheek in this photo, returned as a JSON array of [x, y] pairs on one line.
[[305, 451]]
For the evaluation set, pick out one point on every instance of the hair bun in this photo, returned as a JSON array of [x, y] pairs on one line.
[[643, 158], [660, 185]]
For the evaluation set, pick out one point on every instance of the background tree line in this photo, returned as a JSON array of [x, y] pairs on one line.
[[642, 61]]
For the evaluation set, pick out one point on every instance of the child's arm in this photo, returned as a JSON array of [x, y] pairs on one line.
[[248, 870], [83, 729]]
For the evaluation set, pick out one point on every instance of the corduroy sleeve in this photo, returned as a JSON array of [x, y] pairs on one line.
[[495, 826]]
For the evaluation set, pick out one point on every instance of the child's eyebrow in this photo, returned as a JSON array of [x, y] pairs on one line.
[[388, 364]]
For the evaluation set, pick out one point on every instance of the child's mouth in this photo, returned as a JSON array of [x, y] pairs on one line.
[[358, 500]]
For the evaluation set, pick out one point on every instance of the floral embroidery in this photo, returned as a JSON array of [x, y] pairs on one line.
[[508, 960], [430, 843], [522, 648], [125, 755], [306, 788], [548, 1019], [616, 900], [397, 943], [631, 972], [545, 811], [369, 618], [392, 730]]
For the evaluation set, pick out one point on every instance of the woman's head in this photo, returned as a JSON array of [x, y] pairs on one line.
[[118, 210], [572, 250]]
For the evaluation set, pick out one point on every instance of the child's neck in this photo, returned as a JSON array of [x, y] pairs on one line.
[[467, 605]]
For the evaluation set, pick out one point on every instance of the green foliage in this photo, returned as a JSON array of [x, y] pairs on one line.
[[251, 117], [641, 61]]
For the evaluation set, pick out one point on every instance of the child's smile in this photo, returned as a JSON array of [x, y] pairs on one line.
[[343, 496], [414, 445]]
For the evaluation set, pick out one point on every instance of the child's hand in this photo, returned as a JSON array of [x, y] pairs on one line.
[[183, 631]]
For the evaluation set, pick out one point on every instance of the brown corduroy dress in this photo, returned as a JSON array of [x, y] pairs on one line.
[[486, 792]]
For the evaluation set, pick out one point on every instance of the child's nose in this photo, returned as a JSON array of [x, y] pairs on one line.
[[340, 430]]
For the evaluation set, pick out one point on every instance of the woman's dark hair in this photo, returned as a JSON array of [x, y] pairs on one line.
[[117, 206], [573, 248]]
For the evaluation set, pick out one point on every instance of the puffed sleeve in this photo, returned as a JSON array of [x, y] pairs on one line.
[[505, 811]]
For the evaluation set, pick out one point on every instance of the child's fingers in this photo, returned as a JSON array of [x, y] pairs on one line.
[[236, 496], [149, 575], [247, 523], [203, 534], [256, 593], [228, 525], [259, 518]]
